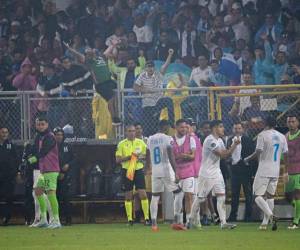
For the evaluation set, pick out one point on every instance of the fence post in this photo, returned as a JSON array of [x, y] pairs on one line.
[[211, 104], [219, 108]]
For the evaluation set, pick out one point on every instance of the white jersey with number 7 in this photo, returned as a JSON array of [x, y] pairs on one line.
[[272, 144]]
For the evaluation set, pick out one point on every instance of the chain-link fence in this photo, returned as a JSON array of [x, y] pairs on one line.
[[12, 114], [252, 104], [87, 114], [169, 104]]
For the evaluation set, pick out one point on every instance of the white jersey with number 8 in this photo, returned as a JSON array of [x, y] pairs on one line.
[[158, 147], [272, 144]]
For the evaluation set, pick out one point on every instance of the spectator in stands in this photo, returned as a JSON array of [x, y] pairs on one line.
[[8, 170], [25, 80], [204, 130], [241, 175], [163, 45], [153, 102], [215, 77], [270, 28]]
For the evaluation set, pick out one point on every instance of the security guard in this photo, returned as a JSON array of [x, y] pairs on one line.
[[8, 170], [66, 163]]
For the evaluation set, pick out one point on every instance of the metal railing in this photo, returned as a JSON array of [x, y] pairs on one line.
[[88, 113]]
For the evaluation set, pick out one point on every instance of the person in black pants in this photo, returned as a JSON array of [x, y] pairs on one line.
[[8, 170], [66, 163], [241, 174]]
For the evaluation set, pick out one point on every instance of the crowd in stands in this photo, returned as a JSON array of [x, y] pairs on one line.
[[61, 47]]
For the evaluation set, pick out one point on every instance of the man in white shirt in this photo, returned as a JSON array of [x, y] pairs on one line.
[[161, 158], [210, 176], [150, 84], [270, 145], [200, 74]]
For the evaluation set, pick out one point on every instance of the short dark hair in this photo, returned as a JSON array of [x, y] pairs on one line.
[[178, 122], [270, 121], [215, 123], [202, 124], [237, 122], [292, 115], [3, 126], [41, 119], [163, 123], [138, 124]]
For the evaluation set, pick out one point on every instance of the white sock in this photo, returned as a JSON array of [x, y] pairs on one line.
[[263, 205], [51, 218], [188, 216], [221, 208], [195, 211], [37, 211], [154, 208], [178, 207], [270, 203]]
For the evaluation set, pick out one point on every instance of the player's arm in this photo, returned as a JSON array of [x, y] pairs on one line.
[[253, 156], [171, 158], [225, 153], [191, 155], [47, 145], [285, 161], [120, 158], [258, 150]]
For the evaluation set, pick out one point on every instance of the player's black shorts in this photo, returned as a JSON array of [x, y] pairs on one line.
[[138, 181], [106, 89]]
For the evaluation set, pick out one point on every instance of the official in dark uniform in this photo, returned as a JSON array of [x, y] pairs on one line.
[[66, 163], [8, 171], [241, 174]]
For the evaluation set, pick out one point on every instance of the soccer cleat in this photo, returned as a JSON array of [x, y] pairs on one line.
[[216, 220], [42, 224], [293, 226], [5, 221], [228, 226], [154, 228], [197, 226], [178, 227], [263, 227], [54, 225], [35, 223], [274, 223], [147, 223], [130, 223]]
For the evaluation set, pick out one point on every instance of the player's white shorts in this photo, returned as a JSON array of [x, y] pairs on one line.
[[261, 185], [196, 185], [187, 185], [36, 175], [206, 185], [160, 183]]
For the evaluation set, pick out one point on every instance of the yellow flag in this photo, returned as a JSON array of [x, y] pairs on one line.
[[131, 168]]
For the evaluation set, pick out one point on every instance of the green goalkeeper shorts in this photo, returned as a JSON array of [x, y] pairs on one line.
[[48, 181], [293, 184]]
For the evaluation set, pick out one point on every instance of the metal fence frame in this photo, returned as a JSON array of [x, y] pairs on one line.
[[213, 95]]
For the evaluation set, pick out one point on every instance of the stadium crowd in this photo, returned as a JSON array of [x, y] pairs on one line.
[[63, 48]]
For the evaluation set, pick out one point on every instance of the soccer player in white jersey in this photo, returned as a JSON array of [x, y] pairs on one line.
[[269, 147], [160, 155], [210, 176]]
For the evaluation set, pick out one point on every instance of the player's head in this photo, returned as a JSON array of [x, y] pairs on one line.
[[191, 125], [292, 122], [270, 122], [164, 126], [130, 132], [238, 128], [181, 127], [217, 127], [59, 134], [41, 124], [4, 133], [138, 130], [205, 128]]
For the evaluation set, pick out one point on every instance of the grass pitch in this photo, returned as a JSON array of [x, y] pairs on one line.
[[139, 237]]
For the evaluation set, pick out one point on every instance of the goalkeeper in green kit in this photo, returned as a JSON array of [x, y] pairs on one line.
[[47, 154]]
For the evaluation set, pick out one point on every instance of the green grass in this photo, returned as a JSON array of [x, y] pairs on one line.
[[119, 236]]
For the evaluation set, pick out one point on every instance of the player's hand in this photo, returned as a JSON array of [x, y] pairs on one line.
[[177, 179], [285, 178], [246, 161], [65, 168], [171, 52], [237, 141]]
